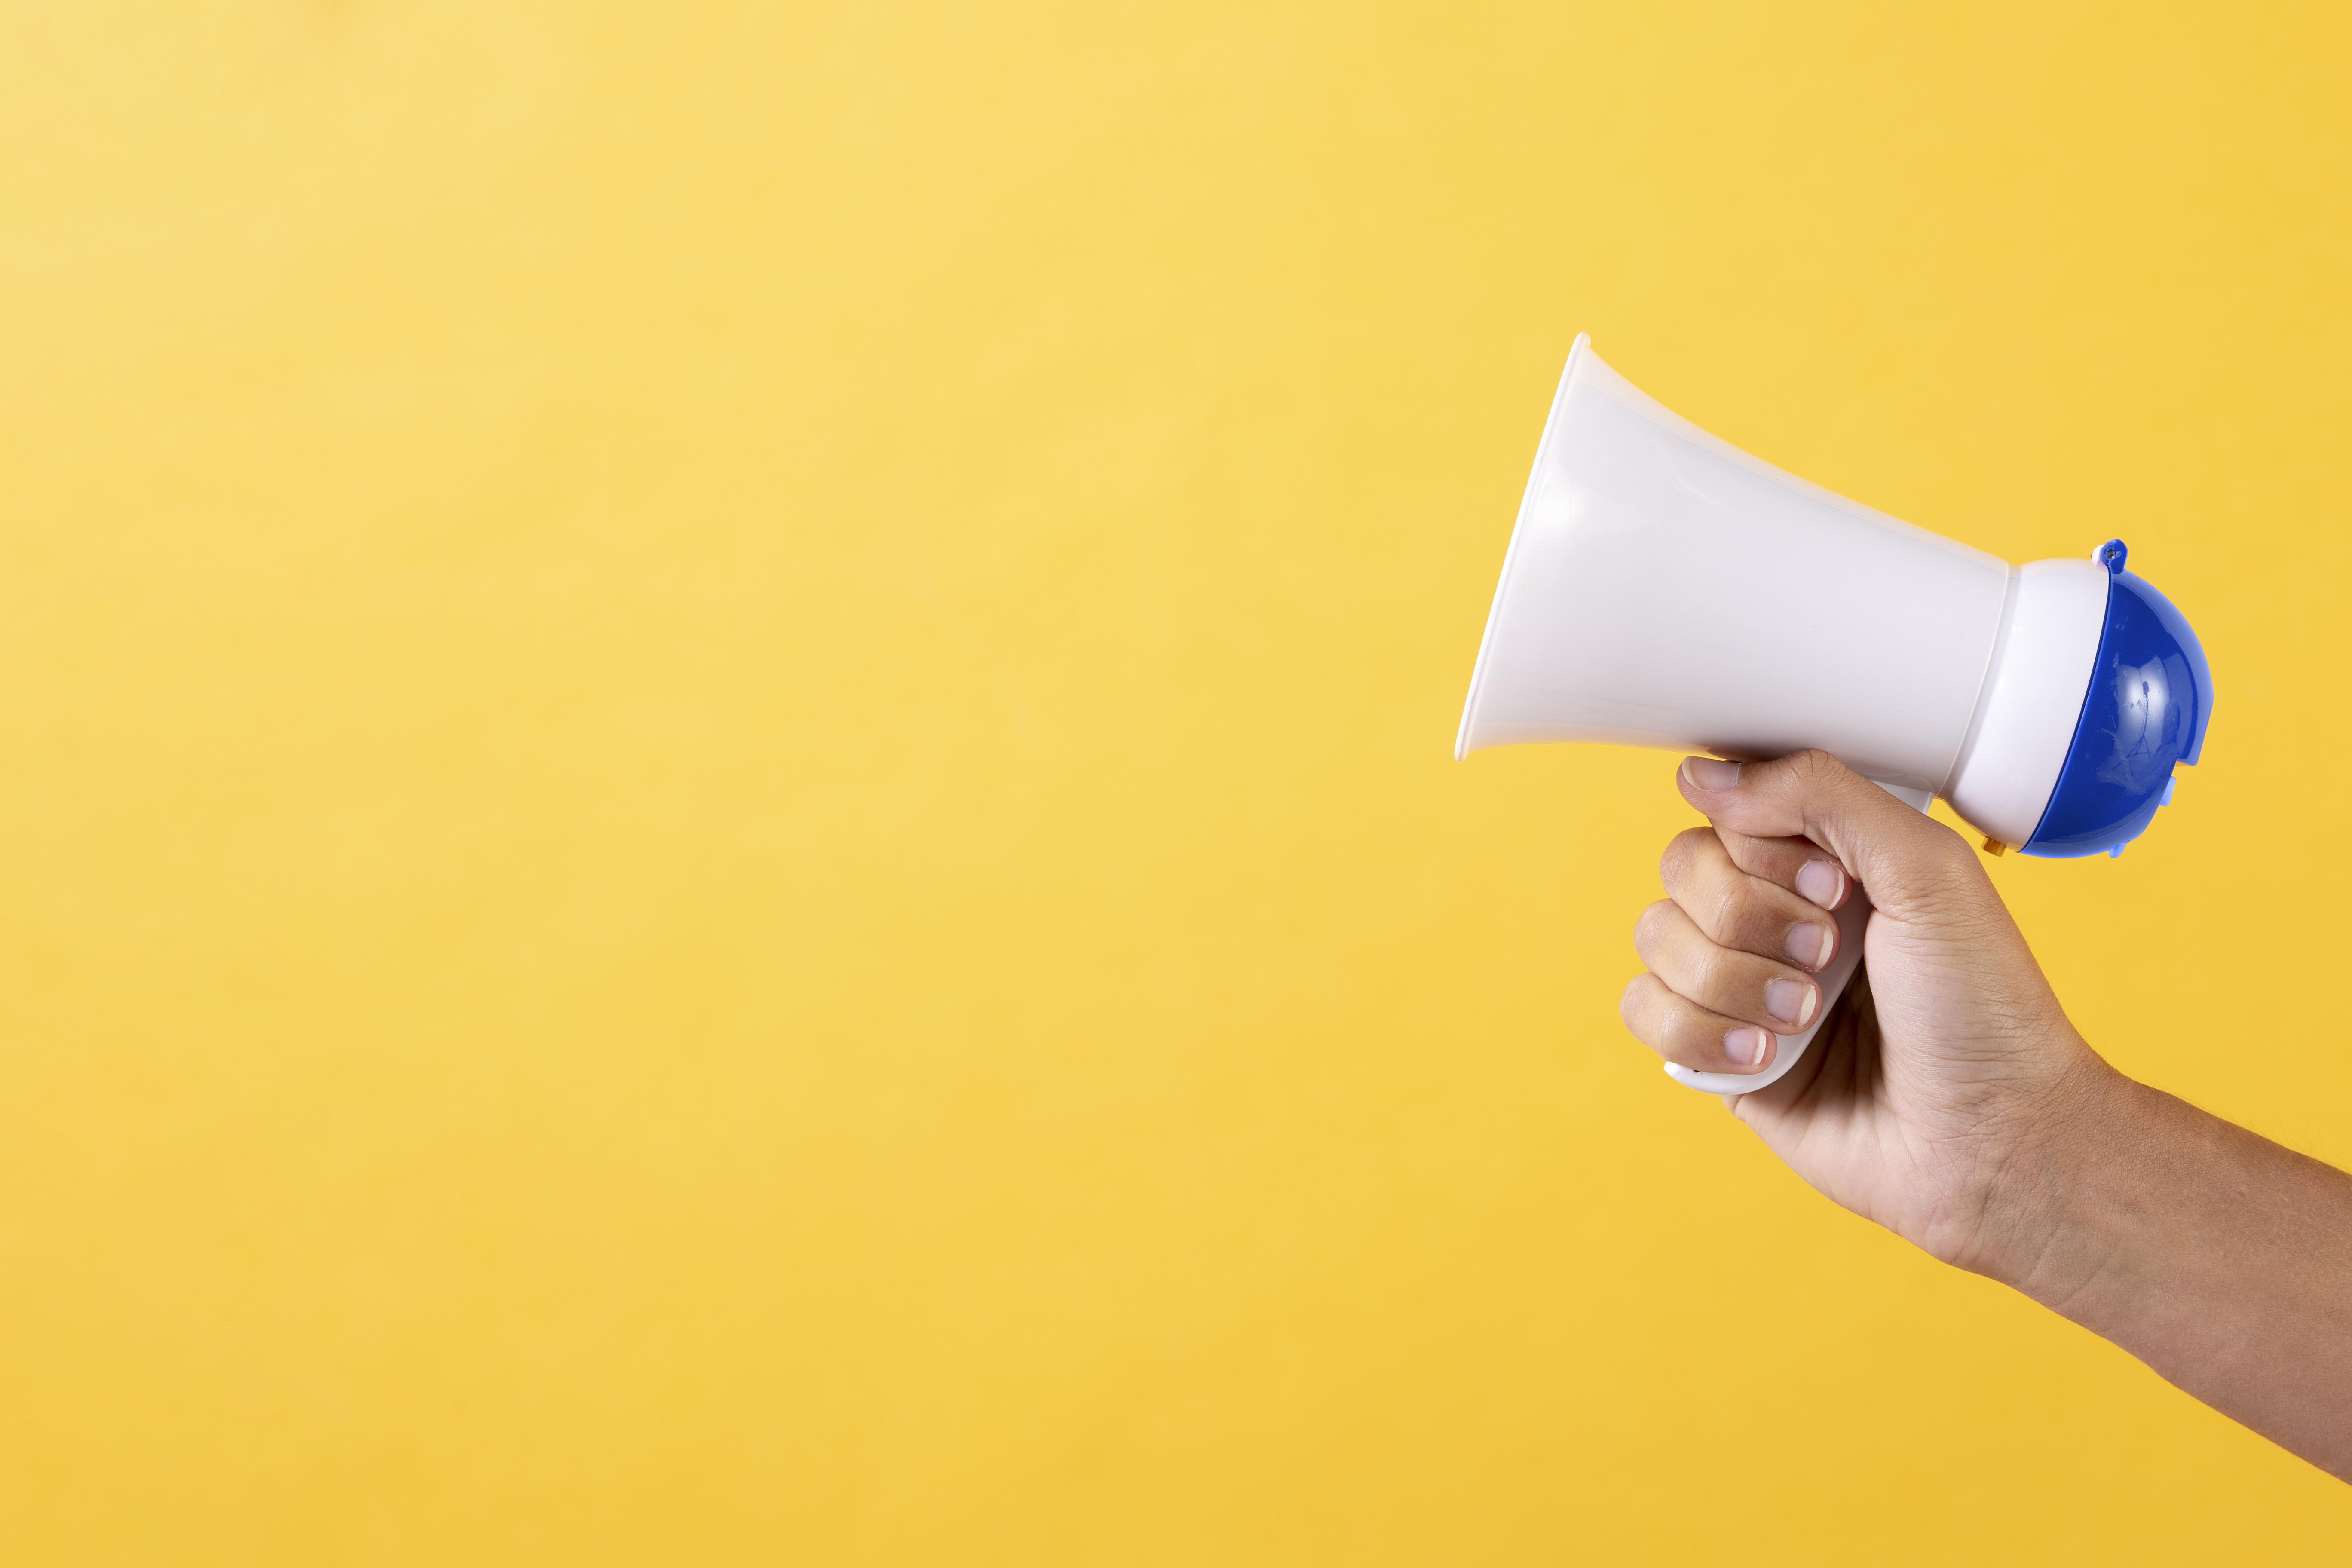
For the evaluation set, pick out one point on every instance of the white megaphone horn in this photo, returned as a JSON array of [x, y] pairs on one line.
[[1664, 588]]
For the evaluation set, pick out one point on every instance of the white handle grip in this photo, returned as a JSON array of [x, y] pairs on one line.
[[1853, 920]]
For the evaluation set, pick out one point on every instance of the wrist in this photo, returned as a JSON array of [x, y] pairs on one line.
[[2040, 1226]]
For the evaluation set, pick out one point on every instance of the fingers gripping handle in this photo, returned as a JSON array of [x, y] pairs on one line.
[[1853, 920]]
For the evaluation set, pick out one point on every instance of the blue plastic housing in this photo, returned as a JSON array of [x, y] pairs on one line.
[[2150, 698]]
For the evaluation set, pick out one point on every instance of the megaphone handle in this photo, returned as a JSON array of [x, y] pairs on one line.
[[1853, 920]]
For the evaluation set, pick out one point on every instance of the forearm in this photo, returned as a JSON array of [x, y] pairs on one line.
[[2220, 1259], [1949, 1100]]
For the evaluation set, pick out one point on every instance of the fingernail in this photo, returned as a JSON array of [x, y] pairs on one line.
[[1744, 1046], [1808, 946], [1820, 880], [1711, 772], [1791, 1000]]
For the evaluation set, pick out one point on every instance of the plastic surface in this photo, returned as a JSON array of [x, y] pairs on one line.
[[1664, 588], [1853, 923], [2032, 700], [2150, 699]]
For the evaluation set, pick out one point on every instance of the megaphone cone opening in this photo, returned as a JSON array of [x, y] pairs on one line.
[[1465, 739]]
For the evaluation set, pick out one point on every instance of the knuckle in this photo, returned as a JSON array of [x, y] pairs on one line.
[[1690, 1035], [1646, 1010], [1712, 975], [1951, 868], [1813, 765], [1682, 854], [1726, 911]]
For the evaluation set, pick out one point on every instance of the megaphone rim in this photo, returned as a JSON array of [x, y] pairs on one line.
[[1577, 353]]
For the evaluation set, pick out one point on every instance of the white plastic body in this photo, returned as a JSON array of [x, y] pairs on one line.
[[2032, 700], [1664, 588], [1853, 923]]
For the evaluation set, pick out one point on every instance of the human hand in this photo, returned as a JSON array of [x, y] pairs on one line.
[[1947, 1098], [1946, 1069]]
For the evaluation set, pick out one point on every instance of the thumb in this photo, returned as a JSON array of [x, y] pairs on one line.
[[1910, 864]]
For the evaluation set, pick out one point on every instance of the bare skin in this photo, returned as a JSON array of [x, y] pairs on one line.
[[1949, 1098]]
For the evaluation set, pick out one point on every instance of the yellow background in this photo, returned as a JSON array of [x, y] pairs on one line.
[[724, 784]]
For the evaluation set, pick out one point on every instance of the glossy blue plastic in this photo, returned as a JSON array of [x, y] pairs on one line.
[[2150, 698]]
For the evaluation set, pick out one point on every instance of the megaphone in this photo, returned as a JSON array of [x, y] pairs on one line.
[[1664, 588]]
